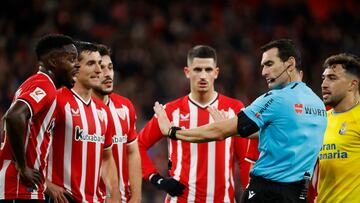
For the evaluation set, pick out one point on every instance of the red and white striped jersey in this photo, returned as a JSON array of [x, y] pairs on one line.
[[38, 92], [206, 169], [83, 130], [124, 116], [252, 154]]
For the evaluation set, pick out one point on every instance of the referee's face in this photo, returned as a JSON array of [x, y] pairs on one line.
[[274, 70], [202, 73]]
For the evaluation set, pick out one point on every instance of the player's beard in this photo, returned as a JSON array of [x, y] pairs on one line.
[[102, 91]]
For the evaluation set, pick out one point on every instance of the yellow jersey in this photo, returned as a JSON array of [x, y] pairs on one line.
[[339, 168]]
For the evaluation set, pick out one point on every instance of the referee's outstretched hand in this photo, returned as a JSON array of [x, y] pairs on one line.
[[169, 185]]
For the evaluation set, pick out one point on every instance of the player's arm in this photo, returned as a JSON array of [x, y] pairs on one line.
[[109, 175], [134, 168], [148, 136], [16, 119], [219, 130]]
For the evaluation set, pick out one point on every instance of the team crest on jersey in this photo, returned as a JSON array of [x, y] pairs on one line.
[[38, 94], [121, 113], [343, 128], [101, 115], [184, 117]]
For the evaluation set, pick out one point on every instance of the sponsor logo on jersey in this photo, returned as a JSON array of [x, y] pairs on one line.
[[119, 139], [264, 108], [51, 127], [81, 136], [184, 117], [75, 112], [298, 108], [309, 110], [330, 151], [38, 94]]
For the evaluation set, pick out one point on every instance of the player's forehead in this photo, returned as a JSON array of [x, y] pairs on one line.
[[90, 55], [335, 69], [106, 60], [203, 62]]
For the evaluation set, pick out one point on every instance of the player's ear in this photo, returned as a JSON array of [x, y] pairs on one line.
[[217, 71], [187, 71]]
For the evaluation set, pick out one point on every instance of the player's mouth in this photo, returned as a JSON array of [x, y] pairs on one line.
[[326, 94], [203, 84], [107, 82]]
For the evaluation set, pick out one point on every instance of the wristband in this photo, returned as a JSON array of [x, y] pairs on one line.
[[172, 132]]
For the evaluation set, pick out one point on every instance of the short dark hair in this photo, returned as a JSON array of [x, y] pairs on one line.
[[51, 42], [286, 49], [82, 46], [201, 51], [104, 50], [349, 62]]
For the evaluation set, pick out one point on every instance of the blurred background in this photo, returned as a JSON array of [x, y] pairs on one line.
[[150, 40]]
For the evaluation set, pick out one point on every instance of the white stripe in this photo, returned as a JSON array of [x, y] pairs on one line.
[[68, 147], [211, 165], [97, 148], [120, 146], [50, 161], [84, 148], [40, 139], [3, 169], [177, 172], [40, 136], [228, 173], [193, 154]]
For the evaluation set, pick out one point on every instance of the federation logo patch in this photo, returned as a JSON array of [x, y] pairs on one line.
[[38, 94]]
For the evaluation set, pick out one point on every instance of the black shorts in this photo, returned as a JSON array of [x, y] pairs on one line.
[[264, 190]]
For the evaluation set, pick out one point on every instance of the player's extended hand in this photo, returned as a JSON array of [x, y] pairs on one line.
[[216, 114], [169, 185], [56, 193], [31, 177], [162, 118]]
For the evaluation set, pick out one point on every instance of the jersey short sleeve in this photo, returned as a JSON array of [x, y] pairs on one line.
[[132, 135], [37, 95], [264, 109]]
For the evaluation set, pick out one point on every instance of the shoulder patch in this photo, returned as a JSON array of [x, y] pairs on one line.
[[38, 94]]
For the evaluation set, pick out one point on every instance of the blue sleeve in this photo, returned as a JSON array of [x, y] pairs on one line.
[[264, 108]]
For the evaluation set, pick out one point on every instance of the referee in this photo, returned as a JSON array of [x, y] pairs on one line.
[[290, 119]]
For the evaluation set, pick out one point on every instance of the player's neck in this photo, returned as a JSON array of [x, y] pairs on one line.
[[103, 98], [346, 104], [83, 92], [203, 98]]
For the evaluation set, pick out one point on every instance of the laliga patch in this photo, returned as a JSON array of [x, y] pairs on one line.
[[38, 94]]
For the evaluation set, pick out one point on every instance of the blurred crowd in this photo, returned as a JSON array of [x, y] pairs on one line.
[[150, 40]]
